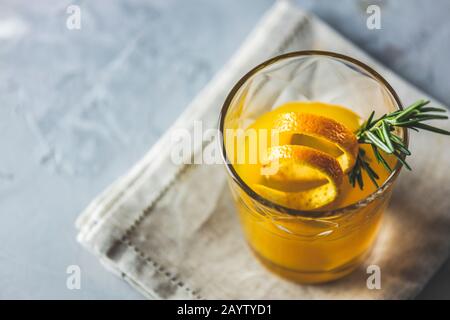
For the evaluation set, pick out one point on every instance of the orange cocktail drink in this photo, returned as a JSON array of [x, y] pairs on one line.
[[288, 138]]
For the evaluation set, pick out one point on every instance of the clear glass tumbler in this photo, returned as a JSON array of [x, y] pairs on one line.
[[308, 246]]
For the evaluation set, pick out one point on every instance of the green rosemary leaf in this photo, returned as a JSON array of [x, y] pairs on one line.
[[379, 134], [399, 145], [371, 173], [431, 128], [381, 159], [431, 117], [402, 148], [411, 108], [370, 170], [403, 161], [387, 136], [380, 144], [433, 109], [369, 120], [360, 181], [398, 140]]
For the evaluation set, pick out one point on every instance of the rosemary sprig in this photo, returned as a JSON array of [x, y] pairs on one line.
[[380, 134]]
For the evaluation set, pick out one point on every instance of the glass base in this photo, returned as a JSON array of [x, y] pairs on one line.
[[309, 277]]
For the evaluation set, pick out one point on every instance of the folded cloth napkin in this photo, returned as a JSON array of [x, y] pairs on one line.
[[171, 230]]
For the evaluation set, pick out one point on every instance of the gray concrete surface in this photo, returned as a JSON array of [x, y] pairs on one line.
[[78, 108]]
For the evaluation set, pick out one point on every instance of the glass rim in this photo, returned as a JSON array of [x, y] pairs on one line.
[[290, 211]]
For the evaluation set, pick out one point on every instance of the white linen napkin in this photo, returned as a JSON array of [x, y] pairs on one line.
[[172, 232]]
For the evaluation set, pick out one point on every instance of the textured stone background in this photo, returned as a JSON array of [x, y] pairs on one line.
[[78, 108]]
